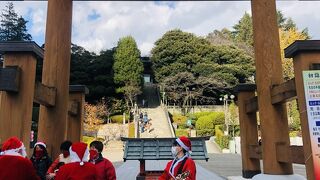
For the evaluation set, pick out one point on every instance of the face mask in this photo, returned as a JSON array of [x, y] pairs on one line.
[[65, 154], [174, 151], [38, 153], [93, 154]]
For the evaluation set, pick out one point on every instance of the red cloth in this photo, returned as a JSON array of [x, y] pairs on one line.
[[53, 166], [189, 165], [17, 168], [73, 171], [105, 170]]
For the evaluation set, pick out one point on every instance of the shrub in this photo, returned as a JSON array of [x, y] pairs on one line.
[[131, 130], [87, 139], [221, 139], [118, 119], [179, 119], [182, 132], [199, 114], [205, 132], [210, 120]]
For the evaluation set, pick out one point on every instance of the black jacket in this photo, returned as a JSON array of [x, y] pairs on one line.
[[41, 165]]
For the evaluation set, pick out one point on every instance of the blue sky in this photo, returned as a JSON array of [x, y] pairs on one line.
[[99, 25]]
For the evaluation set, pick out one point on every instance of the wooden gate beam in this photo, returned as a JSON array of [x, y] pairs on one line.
[[16, 106], [56, 66], [304, 54], [248, 130], [273, 118], [76, 112]]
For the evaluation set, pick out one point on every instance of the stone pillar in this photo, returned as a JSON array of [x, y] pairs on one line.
[[56, 67], [304, 54], [16, 106], [273, 118], [76, 112]]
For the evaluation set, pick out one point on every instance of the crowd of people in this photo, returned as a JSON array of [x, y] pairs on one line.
[[145, 124], [76, 161]]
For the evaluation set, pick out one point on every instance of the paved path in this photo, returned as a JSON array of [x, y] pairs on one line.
[[160, 126], [212, 147], [227, 165], [130, 169]]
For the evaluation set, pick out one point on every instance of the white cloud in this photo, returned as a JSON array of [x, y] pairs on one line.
[[148, 21]]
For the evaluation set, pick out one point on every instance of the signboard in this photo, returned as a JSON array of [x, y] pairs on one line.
[[311, 81]]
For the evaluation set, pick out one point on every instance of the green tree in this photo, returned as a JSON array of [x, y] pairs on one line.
[[128, 68], [13, 27], [192, 69], [243, 30]]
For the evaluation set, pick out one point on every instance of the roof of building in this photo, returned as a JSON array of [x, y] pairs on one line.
[[160, 148]]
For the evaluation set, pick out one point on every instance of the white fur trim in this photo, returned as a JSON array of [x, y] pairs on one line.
[[171, 171], [15, 152], [40, 143], [182, 145], [75, 158]]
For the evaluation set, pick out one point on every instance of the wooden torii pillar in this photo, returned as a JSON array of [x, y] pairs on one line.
[[56, 67], [273, 118], [76, 112], [248, 130], [17, 81], [305, 54]]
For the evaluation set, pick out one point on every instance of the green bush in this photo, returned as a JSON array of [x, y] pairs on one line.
[[87, 139], [210, 120], [199, 114], [221, 139], [118, 119], [205, 132], [131, 130], [179, 119], [182, 132]]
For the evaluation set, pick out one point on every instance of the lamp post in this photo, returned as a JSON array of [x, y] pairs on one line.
[[225, 100]]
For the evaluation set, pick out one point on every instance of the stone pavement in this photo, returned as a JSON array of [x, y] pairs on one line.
[[160, 126], [220, 166], [130, 169]]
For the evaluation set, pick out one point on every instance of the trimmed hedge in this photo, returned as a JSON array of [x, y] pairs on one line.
[[182, 132], [210, 120], [205, 132], [180, 120], [221, 139], [118, 119], [131, 130]]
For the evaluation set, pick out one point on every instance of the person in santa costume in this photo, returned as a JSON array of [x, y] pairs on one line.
[[40, 159], [182, 167], [63, 158], [79, 168], [13, 161], [105, 168]]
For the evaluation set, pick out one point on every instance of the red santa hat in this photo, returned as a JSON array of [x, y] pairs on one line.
[[40, 143], [13, 146], [79, 152], [185, 143]]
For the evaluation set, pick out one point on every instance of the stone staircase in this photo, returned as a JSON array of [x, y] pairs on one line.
[[160, 126]]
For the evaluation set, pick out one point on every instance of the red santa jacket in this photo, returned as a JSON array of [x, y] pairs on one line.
[[189, 165], [105, 170], [73, 171], [17, 168]]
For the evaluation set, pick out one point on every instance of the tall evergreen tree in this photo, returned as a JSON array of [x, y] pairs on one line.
[[13, 27], [243, 31], [128, 68]]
